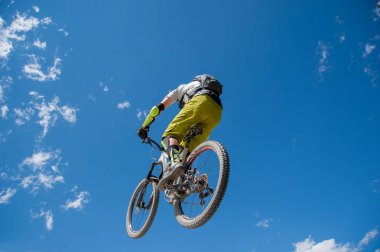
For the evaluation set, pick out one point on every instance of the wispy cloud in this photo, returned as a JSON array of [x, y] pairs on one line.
[[47, 112], [375, 184], [63, 31], [4, 111], [265, 223], [47, 215], [39, 159], [338, 20], [91, 97], [342, 38], [46, 20], [372, 74], [6, 195], [104, 87], [41, 180], [33, 70], [368, 49], [123, 105], [3, 139], [368, 237], [5, 85], [141, 114], [15, 32], [376, 13], [36, 9], [39, 44], [323, 54], [23, 115], [41, 170], [78, 203], [309, 245]]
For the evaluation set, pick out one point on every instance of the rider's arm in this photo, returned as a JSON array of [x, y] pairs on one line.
[[155, 111]]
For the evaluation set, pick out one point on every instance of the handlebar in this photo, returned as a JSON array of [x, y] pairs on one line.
[[150, 141]]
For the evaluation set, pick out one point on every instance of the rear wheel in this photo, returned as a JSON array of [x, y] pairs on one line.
[[142, 208], [211, 165]]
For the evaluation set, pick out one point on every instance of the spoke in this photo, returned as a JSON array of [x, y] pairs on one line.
[[139, 215], [207, 163]]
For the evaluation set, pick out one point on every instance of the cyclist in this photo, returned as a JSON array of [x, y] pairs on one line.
[[200, 104]]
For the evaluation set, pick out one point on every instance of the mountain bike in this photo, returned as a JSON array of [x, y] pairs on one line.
[[195, 195]]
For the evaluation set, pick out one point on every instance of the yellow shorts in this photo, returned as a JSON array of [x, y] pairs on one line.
[[201, 110]]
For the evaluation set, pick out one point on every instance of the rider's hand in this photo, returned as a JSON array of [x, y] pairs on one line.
[[143, 133]]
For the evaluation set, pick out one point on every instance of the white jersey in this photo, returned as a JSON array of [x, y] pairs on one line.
[[179, 93]]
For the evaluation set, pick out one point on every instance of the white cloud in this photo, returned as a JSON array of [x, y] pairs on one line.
[[309, 245], [141, 114], [91, 97], [323, 54], [49, 220], [46, 21], [36, 9], [5, 84], [376, 13], [78, 203], [48, 217], [342, 38], [265, 223], [330, 245], [104, 87], [35, 182], [6, 195], [3, 139], [38, 160], [338, 20], [4, 111], [375, 185], [64, 32], [368, 49], [39, 44], [23, 116], [43, 171], [15, 32], [368, 237], [372, 74], [123, 105], [47, 112], [68, 113], [33, 71]]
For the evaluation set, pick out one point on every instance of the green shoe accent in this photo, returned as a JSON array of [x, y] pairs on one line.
[[175, 156]]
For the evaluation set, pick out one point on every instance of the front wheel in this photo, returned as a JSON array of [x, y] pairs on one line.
[[142, 208], [211, 167]]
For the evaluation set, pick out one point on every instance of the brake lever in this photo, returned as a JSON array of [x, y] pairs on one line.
[[147, 141]]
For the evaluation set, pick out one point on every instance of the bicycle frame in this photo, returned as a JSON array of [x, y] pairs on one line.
[[163, 161]]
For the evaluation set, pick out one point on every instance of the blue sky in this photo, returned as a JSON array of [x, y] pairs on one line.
[[301, 121]]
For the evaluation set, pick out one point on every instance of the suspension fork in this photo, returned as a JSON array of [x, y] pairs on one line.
[[149, 177]]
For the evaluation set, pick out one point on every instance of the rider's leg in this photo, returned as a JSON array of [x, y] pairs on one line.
[[209, 121], [199, 109]]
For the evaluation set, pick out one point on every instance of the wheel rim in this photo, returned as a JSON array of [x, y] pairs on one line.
[[139, 216], [206, 161]]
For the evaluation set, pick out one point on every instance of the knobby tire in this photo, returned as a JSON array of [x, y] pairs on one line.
[[153, 209], [224, 171]]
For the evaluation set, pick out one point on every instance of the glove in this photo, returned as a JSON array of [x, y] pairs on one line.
[[143, 133]]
